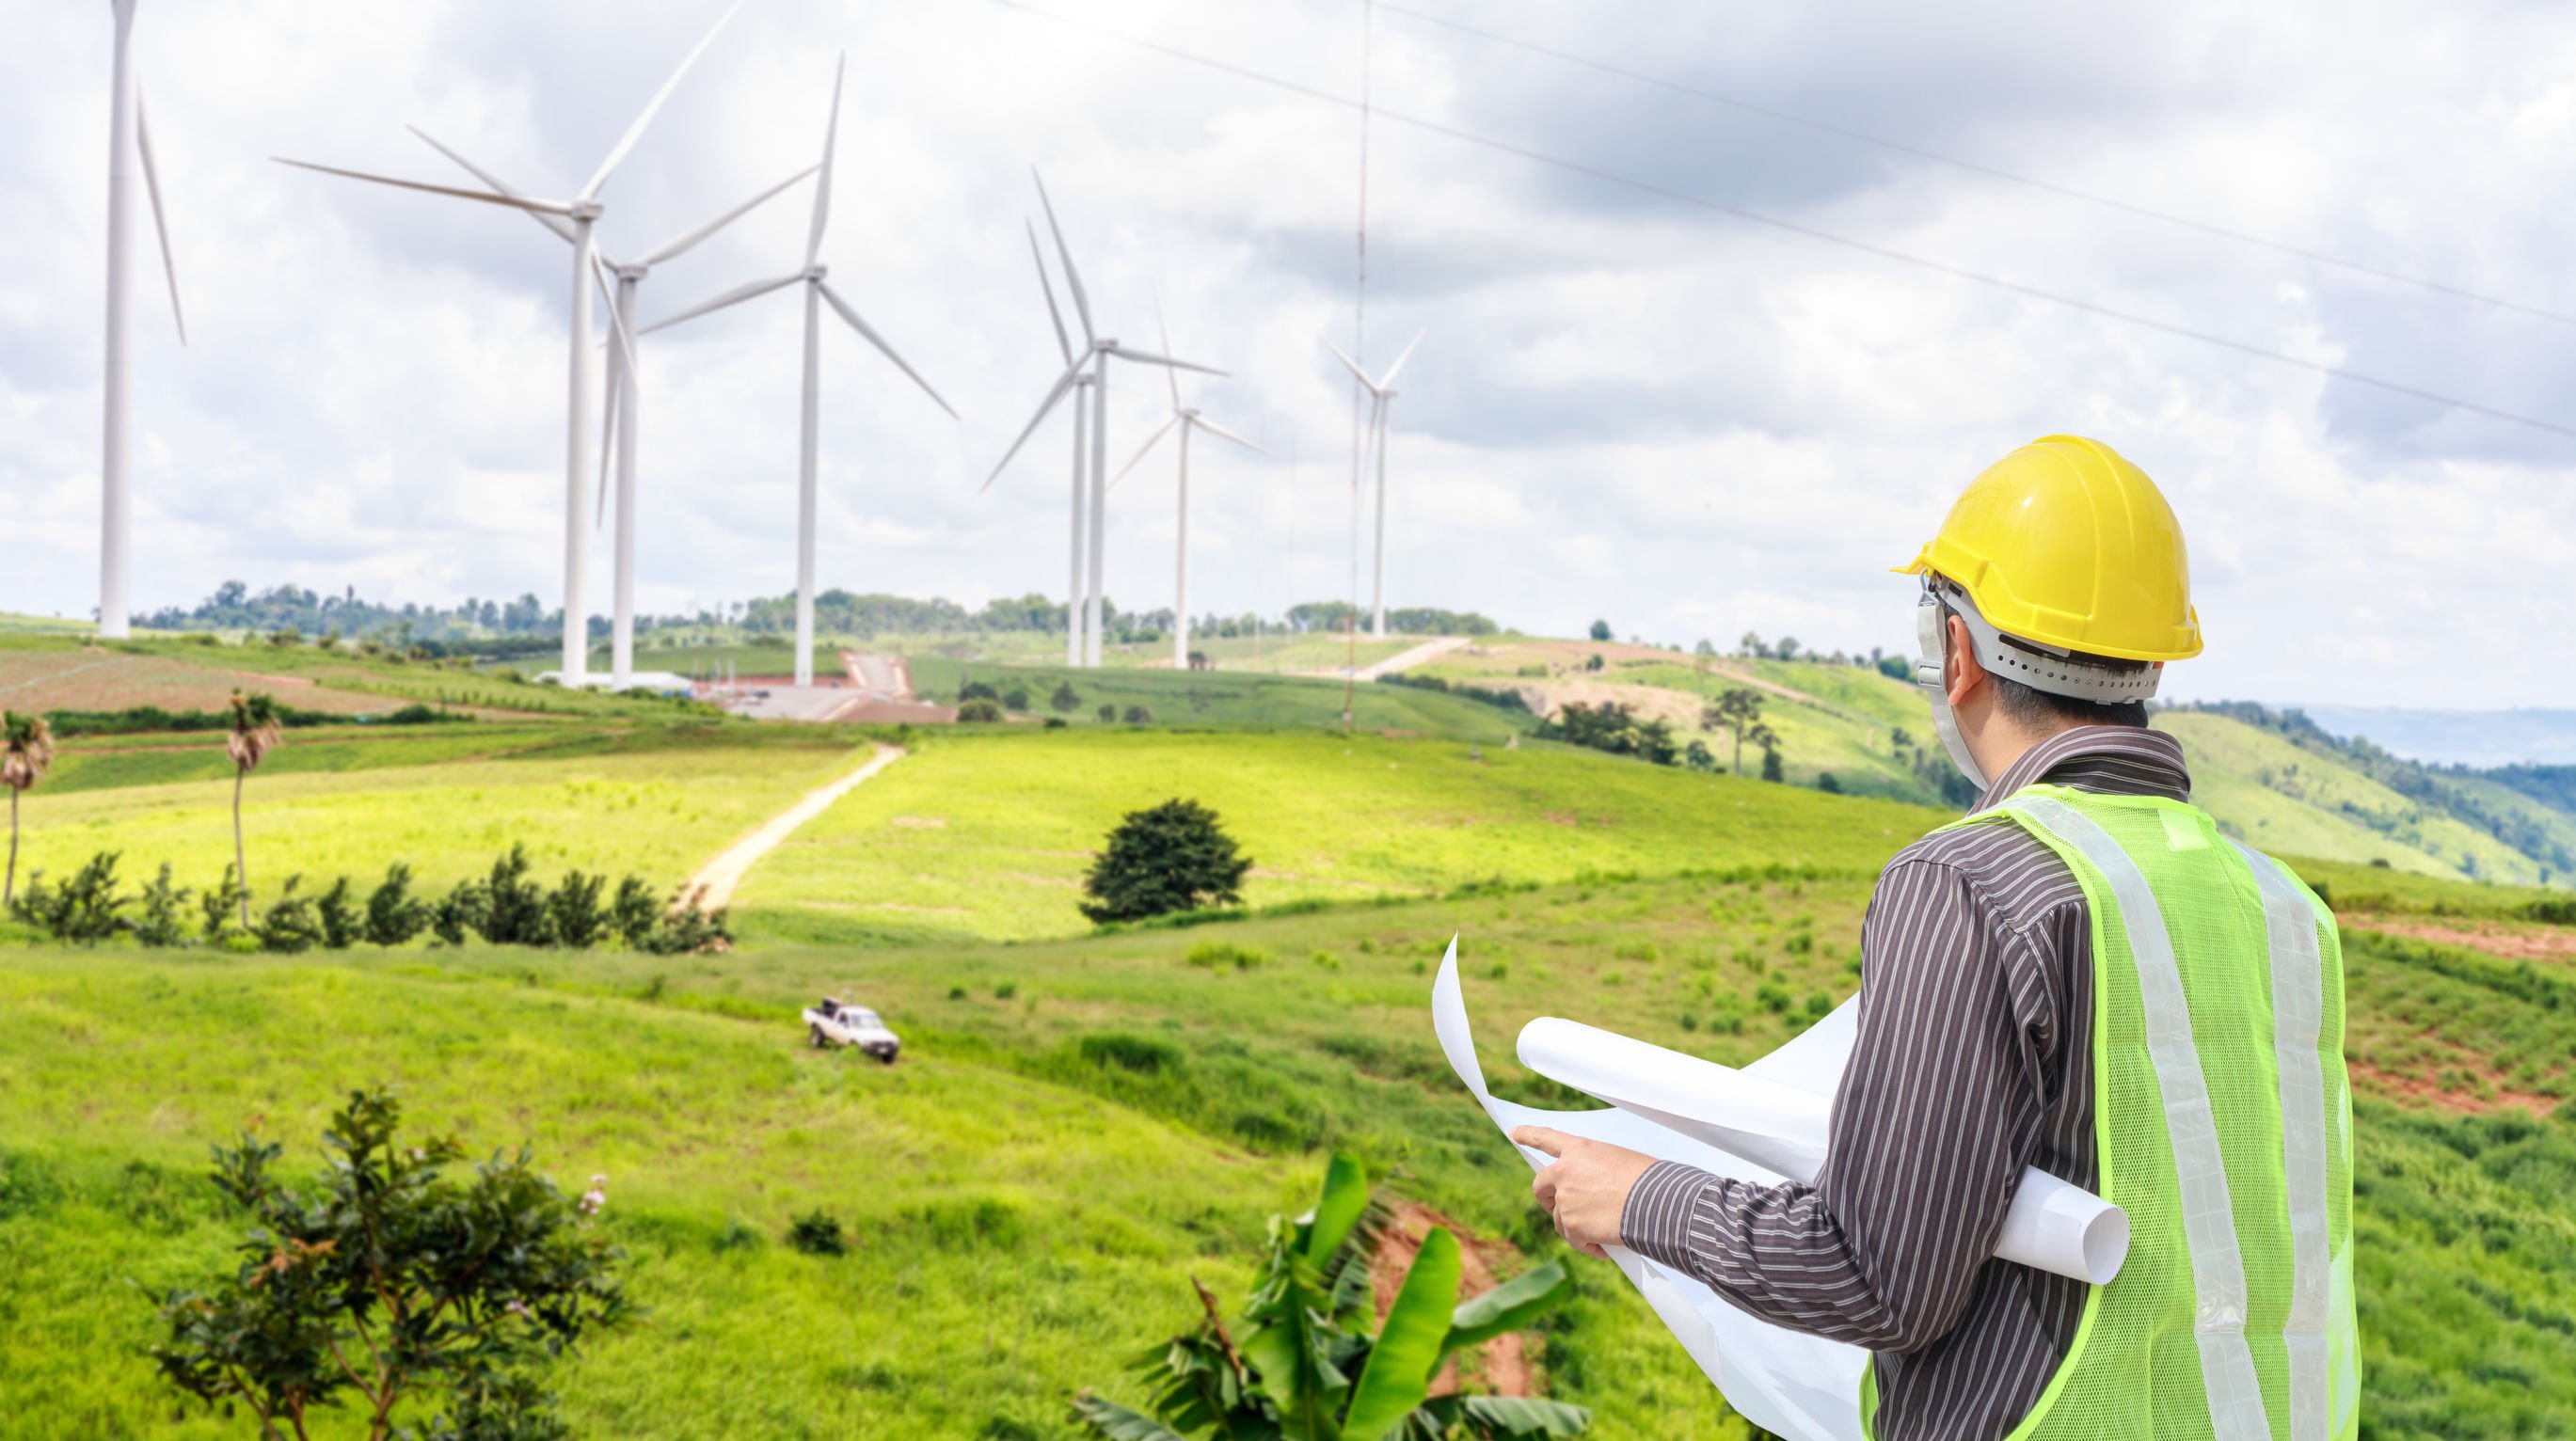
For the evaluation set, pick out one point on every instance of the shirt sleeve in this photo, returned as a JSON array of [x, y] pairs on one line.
[[1935, 1121]]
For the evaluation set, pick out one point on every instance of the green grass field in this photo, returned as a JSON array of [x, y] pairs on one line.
[[1223, 698], [1027, 1208], [989, 835]]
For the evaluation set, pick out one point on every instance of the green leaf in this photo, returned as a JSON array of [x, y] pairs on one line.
[[1505, 1416], [1337, 1210], [1117, 1423], [1408, 1349], [1511, 1306]]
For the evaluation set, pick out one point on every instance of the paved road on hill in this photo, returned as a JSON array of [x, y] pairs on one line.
[[1423, 654], [714, 883]]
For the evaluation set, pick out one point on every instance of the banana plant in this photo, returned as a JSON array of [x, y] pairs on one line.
[[1301, 1364]]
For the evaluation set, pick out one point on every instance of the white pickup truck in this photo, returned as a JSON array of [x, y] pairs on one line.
[[834, 1024]]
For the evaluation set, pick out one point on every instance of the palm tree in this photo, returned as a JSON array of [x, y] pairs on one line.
[[254, 732], [26, 753]]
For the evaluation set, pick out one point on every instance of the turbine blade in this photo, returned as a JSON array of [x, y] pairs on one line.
[[1146, 449], [160, 218], [1387, 381], [635, 131], [1165, 325], [674, 249], [869, 334], [1353, 365], [823, 187], [735, 296], [1064, 382], [608, 427], [1141, 358], [1062, 341], [1212, 428], [1072, 277], [555, 223], [514, 202], [608, 293]]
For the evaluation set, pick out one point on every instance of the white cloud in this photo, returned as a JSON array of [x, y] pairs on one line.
[[1623, 406]]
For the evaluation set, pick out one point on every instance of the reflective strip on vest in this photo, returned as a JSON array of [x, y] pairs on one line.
[[2298, 1014], [2236, 1411]]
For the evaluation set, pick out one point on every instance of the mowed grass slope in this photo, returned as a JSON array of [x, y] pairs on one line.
[[656, 801], [990, 835], [1203, 698]]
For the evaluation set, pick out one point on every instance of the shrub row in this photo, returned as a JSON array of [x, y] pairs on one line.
[[504, 908], [152, 719]]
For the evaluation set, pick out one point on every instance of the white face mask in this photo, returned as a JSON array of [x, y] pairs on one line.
[[1931, 630]]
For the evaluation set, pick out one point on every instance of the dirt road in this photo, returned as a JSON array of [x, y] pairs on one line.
[[715, 881]]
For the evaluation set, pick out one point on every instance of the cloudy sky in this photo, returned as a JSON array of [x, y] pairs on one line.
[[1626, 404]]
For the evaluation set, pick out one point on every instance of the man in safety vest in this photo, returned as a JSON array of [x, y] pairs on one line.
[[2084, 976]]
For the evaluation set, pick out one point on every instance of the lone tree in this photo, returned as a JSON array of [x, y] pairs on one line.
[[26, 753], [1169, 858], [255, 732], [1739, 711], [1064, 700], [384, 1281], [1601, 630]]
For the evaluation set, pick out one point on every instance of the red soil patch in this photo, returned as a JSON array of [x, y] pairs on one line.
[[2518, 942], [1507, 1368], [2420, 1091], [111, 681]]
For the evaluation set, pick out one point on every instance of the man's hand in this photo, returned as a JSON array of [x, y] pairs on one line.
[[1587, 1189]]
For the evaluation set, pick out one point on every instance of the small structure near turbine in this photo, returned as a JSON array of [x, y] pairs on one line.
[[1185, 418], [818, 291], [1382, 395], [1088, 366]]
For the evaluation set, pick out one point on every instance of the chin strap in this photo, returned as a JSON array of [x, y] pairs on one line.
[[1931, 629]]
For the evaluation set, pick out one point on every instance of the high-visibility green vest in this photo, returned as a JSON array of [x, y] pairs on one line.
[[2224, 1125]]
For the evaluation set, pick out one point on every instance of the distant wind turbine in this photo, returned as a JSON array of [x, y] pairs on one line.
[[1382, 392], [1185, 419], [817, 292], [1074, 631], [617, 427], [582, 212], [129, 134], [1094, 357]]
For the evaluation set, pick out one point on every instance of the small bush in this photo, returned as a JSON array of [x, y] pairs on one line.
[[1137, 715], [164, 918], [85, 909], [979, 712], [514, 907], [975, 690], [1006, 990], [634, 913], [394, 914], [1142, 1055], [1217, 955], [1108, 713], [817, 1233], [1016, 698], [220, 906], [574, 916], [460, 913], [289, 925], [956, 993], [1772, 996], [340, 919]]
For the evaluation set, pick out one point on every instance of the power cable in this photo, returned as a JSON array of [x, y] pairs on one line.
[[1883, 252], [2051, 187]]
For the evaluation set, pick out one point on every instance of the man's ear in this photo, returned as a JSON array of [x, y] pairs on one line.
[[1964, 675]]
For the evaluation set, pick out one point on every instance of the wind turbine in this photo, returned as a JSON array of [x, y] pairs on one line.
[[818, 291], [1074, 630], [129, 134], [1185, 418], [1382, 392], [1094, 358], [582, 213], [617, 428]]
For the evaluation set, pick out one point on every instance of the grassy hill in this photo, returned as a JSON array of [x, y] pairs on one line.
[[1085, 1121]]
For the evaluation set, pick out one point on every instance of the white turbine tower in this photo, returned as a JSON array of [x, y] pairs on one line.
[[128, 134], [818, 291], [617, 428], [582, 212], [1382, 393], [1185, 418], [1075, 634], [1094, 358]]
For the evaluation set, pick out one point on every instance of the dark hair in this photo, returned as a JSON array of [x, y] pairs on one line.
[[2028, 705]]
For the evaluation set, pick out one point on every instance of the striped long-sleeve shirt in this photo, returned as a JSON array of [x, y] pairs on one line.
[[1973, 1062]]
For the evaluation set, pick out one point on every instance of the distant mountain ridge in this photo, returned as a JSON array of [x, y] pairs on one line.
[[2484, 739]]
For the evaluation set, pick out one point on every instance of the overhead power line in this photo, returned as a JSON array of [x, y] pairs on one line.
[[1576, 167], [2051, 187]]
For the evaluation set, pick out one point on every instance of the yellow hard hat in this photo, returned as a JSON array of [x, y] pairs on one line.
[[2066, 543]]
